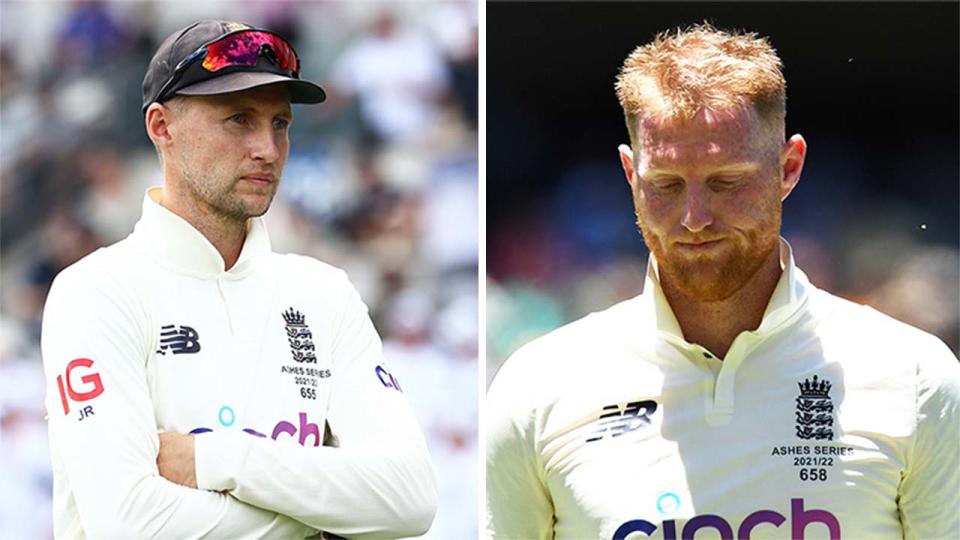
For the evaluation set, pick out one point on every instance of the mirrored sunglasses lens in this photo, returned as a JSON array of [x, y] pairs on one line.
[[285, 56], [243, 49]]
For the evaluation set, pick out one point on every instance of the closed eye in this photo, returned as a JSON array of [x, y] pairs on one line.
[[667, 184], [720, 183]]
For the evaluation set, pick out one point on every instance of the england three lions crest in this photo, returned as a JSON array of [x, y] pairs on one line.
[[815, 410], [300, 337]]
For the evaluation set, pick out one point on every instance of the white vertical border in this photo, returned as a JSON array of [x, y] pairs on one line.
[[482, 270]]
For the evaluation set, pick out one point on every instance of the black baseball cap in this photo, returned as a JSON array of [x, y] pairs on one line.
[[163, 78]]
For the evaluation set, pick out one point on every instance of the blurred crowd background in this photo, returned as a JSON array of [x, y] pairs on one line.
[[381, 181], [872, 86]]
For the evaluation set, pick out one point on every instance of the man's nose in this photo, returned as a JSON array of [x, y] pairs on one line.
[[265, 145], [696, 214]]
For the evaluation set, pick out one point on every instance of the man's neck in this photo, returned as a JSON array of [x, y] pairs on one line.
[[714, 325], [227, 235]]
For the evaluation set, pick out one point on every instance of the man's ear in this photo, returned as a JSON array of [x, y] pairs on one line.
[[792, 157], [157, 122], [626, 160]]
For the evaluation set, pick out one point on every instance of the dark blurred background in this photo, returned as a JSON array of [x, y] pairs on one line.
[[873, 87], [381, 181]]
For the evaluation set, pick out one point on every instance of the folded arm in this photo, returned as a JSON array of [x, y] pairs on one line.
[[103, 434], [377, 481]]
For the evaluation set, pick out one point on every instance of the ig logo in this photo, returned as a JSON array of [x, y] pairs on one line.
[[91, 388]]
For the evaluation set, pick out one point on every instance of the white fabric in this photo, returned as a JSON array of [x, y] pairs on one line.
[[692, 445], [235, 372]]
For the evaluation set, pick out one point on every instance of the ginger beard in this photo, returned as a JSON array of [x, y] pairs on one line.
[[718, 274]]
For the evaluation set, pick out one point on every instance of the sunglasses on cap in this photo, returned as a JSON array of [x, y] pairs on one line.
[[239, 50]]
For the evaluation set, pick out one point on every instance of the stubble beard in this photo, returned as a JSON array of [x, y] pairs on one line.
[[221, 199], [716, 277]]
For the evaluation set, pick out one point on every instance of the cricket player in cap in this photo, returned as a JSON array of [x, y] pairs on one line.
[[200, 384]]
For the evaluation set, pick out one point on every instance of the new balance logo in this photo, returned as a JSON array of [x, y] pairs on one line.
[[618, 419], [178, 340]]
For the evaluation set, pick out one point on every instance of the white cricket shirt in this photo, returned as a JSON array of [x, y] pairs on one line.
[[831, 420], [275, 366]]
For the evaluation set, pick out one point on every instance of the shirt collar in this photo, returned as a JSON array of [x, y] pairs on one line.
[[788, 297], [181, 247]]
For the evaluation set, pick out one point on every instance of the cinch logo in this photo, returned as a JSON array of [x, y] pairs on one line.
[[617, 419], [799, 519], [183, 340], [387, 379], [92, 379], [300, 433]]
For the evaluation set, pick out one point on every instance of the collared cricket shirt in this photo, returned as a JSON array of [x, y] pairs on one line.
[[830, 420], [273, 365]]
